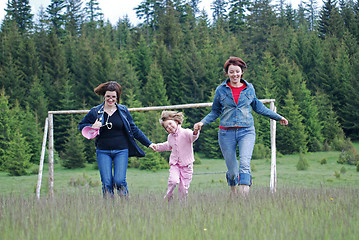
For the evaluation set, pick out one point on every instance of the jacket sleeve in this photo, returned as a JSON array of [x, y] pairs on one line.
[[261, 109], [195, 137], [190, 136], [216, 110], [88, 120], [137, 133], [161, 147]]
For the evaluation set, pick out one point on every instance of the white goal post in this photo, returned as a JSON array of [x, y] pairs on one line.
[[49, 127]]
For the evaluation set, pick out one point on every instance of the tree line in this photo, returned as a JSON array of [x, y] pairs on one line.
[[305, 58]]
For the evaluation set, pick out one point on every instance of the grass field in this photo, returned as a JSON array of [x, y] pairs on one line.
[[138, 180], [311, 204]]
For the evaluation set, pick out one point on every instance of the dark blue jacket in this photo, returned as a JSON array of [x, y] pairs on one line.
[[133, 132]]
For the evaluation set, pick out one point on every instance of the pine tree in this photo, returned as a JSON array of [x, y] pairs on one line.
[[29, 65], [208, 141], [37, 100], [169, 26], [74, 16], [103, 61], [330, 23], [173, 77], [301, 17], [93, 11], [84, 71], [292, 138], [219, 10], [142, 61], [303, 163], [89, 144], [194, 6], [311, 7], [28, 126], [20, 12], [237, 15], [125, 75], [348, 99], [331, 128], [74, 148], [54, 65], [11, 74], [261, 19], [62, 121], [152, 161], [154, 91], [11, 79], [56, 16], [17, 155], [123, 32], [311, 121], [264, 80], [150, 11], [4, 126]]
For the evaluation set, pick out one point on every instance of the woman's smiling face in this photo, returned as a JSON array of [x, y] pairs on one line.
[[235, 73], [110, 98]]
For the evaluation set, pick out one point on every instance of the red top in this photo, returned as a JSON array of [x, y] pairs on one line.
[[236, 92]]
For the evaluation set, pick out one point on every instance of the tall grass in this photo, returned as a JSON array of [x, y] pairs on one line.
[[290, 213]]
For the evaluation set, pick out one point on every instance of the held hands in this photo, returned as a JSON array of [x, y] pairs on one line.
[[97, 124], [153, 147], [283, 121], [197, 127]]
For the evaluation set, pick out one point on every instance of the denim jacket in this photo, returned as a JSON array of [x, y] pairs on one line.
[[237, 115], [133, 132]]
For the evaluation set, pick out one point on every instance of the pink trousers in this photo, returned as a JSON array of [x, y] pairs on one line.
[[181, 175]]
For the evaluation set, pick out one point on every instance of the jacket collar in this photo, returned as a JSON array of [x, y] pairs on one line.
[[100, 110]]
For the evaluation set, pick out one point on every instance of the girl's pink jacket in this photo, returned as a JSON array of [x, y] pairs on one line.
[[181, 145]]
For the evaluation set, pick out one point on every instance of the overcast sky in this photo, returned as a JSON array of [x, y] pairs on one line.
[[115, 9]]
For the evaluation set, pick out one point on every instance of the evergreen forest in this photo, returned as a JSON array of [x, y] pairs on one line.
[[307, 59]]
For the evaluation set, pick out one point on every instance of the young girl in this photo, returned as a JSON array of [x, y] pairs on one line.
[[180, 142]]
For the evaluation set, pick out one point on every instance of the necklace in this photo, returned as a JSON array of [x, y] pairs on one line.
[[110, 110], [108, 124]]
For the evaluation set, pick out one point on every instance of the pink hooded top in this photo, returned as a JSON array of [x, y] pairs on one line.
[[181, 145]]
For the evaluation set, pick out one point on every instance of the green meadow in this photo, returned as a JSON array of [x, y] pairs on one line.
[[319, 203]]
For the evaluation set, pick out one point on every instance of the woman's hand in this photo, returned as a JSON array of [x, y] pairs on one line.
[[153, 147], [283, 121], [97, 124], [197, 127]]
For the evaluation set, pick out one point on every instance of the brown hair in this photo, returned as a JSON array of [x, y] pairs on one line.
[[171, 115], [236, 61], [109, 86]]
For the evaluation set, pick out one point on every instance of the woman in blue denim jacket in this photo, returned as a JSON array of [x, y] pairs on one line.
[[233, 101], [115, 140]]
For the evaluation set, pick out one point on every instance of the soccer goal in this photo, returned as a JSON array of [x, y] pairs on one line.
[[49, 132]]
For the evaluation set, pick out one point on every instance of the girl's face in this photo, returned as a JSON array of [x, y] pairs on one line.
[[170, 126], [110, 98], [235, 74]]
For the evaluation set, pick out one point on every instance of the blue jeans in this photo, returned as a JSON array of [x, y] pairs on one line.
[[117, 180], [228, 140]]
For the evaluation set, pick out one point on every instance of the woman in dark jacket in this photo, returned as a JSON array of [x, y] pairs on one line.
[[115, 134]]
